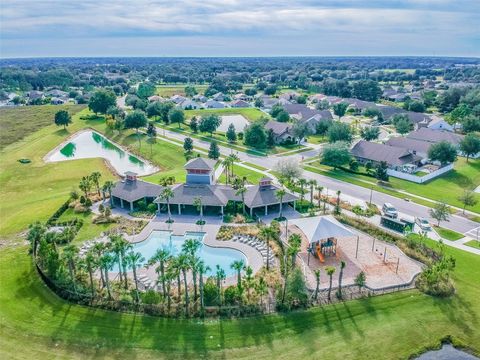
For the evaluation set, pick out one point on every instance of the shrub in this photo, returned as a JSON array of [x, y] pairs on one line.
[[232, 296], [210, 293], [152, 208], [150, 297], [436, 279]]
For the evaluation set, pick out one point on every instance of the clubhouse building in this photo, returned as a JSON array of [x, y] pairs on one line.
[[260, 199]]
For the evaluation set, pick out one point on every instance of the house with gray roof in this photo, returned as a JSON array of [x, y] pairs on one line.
[[213, 104], [281, 131], [415, 146], [435, 136], [130, 190], [240, 104], [395, 157]]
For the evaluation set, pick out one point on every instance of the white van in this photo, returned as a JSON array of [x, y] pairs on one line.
[[389, 210]]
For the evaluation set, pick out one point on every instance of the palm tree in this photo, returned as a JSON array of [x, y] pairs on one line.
[[317, 278], [202, 270], [238, 265], [95, 179], [248, 280], [337, 206], [107, 187], [85, 186], [161, 256], [319, 194], [70, 254], [330, 270], [98, 249], [241, 192], [184, 266], [166, 194], [197, 202], [340, 277], [227, 162], [191, 247], [280, 194], [176, 270], [220, 275], [313, 184], [106, 263], [302, 183], [133, 259], [261, 288], [119, 247], [233, 158], [91, 264], [267, 233], [169, 276], [295, 242]]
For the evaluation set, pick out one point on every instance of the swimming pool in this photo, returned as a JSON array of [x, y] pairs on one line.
[[90, 144], [210, 255]]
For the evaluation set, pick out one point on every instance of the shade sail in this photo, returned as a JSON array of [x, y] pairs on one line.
[[321, 227]]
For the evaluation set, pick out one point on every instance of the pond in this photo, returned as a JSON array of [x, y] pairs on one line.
[[212, 256], [90, 144]]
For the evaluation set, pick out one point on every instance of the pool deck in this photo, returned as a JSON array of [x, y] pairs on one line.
[[185, 223]]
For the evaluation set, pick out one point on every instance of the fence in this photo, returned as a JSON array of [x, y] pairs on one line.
[[419, 179]]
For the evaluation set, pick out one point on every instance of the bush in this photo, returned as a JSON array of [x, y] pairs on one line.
[[150, 297], [210, 293], [152, 208], [232, 296], [436, 280]]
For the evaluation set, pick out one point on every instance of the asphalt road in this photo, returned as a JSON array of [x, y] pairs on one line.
[[456, 223]]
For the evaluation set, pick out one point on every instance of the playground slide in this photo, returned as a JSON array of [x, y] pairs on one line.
[[320, 255]]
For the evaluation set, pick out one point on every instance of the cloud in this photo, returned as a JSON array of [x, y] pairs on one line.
[[415, 21]]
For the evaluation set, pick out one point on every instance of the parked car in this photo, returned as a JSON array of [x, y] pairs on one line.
[[389, 210], [423, 224]]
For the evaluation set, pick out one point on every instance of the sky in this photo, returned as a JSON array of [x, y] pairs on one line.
[[51, 28]]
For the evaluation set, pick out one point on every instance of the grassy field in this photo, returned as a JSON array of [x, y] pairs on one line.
[[89, 230], [30, 192], [253, 177], [37, 324], [18, 122], [448, 234], [447, 187], [252, 114], [170, 90]]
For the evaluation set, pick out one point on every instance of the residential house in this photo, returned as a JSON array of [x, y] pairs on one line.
[[435, 136], [154, 98], [177, 99], [219, 96], [213, 104], [415, 146], [438, 123], [308, 116], [200, 98], [188, 104], [397, 158], [281, 131], [240, 104]]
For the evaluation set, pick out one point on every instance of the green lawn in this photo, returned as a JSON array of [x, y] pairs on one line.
[[170, 90], [252, 114], [18, 122], [448, 234], [30, 192], [447, 187], [253, 177], [316, 139], [37, 324], [473, 243], [89, 230]]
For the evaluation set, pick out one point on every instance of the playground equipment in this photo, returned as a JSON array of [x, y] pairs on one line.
[[326, 247]]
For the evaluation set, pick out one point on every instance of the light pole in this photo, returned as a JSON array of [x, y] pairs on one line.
[[371, 194]]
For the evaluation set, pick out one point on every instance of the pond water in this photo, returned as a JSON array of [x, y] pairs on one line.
[[447, 352], [90, 144], [212, 256]]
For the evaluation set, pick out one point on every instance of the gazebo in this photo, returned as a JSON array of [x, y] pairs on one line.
[[322, 233]]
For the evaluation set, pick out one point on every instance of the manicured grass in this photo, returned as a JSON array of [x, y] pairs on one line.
[[89, 230], [170, 90], [473, 243], [37, 324], [30, 192], [316, 139], [446, 188], [18, 122], [255, 166], [252, 114], [448, 234], [253, 177]]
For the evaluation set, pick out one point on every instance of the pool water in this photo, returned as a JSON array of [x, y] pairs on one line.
[[90, 144], [212, 256]]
